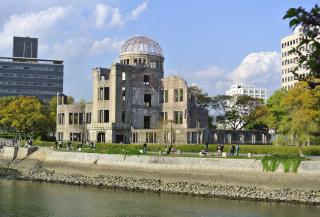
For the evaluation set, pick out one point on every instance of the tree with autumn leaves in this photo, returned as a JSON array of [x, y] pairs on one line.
[[26, 115], [294, 113]]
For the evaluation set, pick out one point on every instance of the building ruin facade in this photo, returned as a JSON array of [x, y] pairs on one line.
[[132, 102]]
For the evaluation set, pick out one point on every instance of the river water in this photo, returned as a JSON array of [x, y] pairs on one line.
[[29, 199]]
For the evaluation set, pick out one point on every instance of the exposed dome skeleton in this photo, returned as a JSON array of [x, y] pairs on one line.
[[141, 44]]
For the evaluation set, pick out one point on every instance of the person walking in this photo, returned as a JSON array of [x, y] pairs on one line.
[[237, 149], [144, 148], [219, 150], [232, 150]]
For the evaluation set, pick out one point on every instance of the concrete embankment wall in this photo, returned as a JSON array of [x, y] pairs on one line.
[[147, 162], [217, 177]]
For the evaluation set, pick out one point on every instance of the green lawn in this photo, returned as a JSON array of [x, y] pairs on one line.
[[133, 149]]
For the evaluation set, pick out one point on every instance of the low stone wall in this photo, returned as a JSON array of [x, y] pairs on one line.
[[8, 153], [148, 162]]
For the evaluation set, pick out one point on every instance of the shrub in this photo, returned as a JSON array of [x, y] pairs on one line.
[[126, 149], [290, 163], [8, 135]]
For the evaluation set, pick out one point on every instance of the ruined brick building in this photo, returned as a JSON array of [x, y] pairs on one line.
[[132, 102]]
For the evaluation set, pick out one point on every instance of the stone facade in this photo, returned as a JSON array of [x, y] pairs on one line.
[[130, 98]]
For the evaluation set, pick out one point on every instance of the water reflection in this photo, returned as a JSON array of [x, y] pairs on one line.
[[42, 199]]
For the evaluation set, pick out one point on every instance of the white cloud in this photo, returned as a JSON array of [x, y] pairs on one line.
[[108, 16], [33, 24], [209, 79], [71, 49], [261, 69], [138, 10], [106, 45]]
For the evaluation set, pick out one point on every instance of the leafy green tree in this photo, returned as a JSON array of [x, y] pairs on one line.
[[302, 119], [70, 100], [27, 115], [275, 111], [4, 102], [259, 122], [203, 100], [235, 112], [308, 49]]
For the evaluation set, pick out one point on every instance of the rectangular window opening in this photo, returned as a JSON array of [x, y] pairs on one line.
[[106, 116], [178, 115], [101, 93], [147, 100], [123, 116], [106, 93], [70, 118], [146, 79], [146, 122]]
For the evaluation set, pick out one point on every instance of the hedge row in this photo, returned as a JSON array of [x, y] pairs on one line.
[[8, 136], [254, 149], [135, 148]]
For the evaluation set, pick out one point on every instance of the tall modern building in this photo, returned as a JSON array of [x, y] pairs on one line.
[[132, 102], [26, 75], [249, 90], [290, 60], [25, 47]]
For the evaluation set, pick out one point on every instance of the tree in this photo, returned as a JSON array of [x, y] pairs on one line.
[[275, 111], [202, 98], [294, 114], [302, 119], [27, 115], [4, 102], [308, 49], [235, 112], [259, 122], [70, 100]]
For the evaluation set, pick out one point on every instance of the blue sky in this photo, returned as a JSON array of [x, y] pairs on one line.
[[209, 43]]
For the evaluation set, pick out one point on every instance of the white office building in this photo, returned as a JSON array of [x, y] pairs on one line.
[[249, 90], [289, 61]]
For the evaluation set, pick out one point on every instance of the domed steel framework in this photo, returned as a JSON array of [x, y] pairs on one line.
[[141, 44]]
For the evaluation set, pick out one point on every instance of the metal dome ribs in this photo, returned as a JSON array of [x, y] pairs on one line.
[[143, 45]]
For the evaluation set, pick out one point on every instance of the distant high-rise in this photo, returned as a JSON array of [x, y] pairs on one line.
[[25, 47], [26, 75], [249, 90], [289, 60]]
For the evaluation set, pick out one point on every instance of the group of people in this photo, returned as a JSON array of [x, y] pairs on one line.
[[234, 150], [220, 149], [29, 142]]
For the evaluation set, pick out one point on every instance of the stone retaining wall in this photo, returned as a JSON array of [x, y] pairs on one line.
[[148, 162]]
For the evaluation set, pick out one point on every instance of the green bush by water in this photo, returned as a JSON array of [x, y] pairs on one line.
[[290, 163]]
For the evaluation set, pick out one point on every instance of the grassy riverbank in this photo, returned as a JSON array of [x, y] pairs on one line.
[[134, 149]]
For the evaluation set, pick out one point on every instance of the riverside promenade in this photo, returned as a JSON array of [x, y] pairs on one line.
[[213, 177]]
